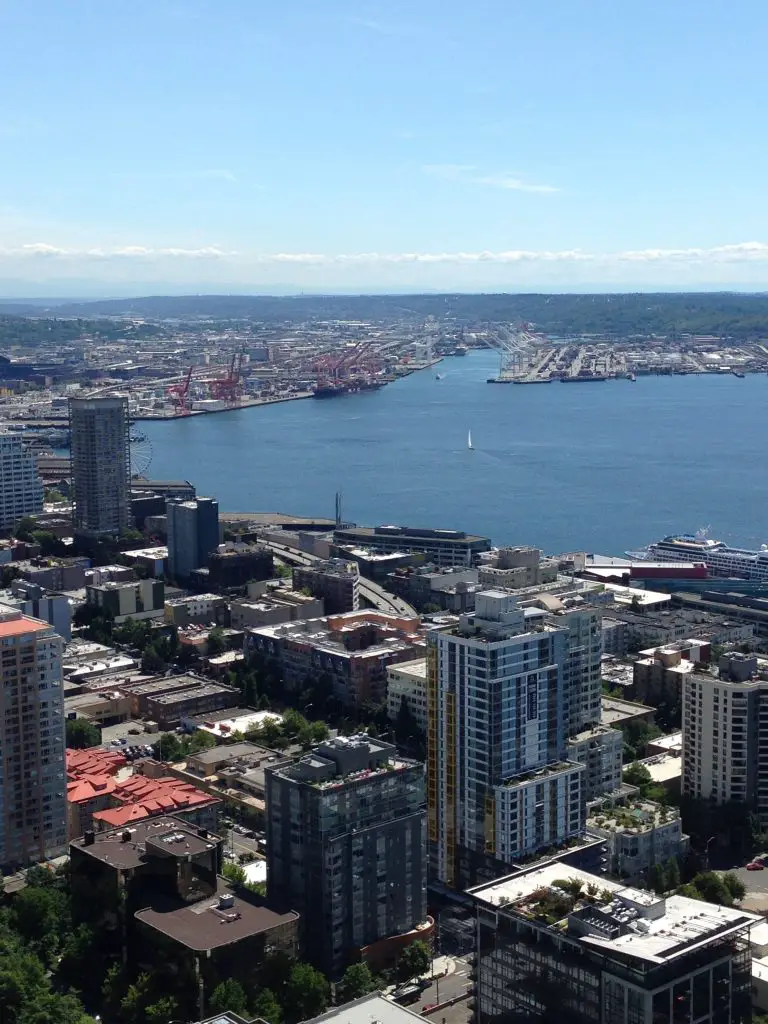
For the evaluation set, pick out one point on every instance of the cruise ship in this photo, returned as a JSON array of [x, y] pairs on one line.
[[720, 559]]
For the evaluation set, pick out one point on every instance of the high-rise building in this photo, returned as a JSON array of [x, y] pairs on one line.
[[499, 786], [335, 580], [346, 847], [33, 785], [558, 943], [21, 489], [725, 734], [101, 464], [193, 533]]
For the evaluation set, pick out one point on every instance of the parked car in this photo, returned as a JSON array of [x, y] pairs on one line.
[[755, 866]]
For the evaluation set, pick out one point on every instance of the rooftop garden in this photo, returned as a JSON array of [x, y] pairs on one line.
[[552, 903]]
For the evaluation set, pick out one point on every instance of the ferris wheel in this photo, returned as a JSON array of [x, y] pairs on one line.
[[140, 452]]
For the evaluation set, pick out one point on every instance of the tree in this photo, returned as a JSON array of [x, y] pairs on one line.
[[81, 734], [216, 643], [306, 993], [735, 886], [357, 981], [151, 662], [414, 961], [200, 740], [24, 528], [689, 890], [672, 873], [234, 873], [712, 888], [657, 879], [266, 1006], [638, 775], [228, 995], [168, 748]]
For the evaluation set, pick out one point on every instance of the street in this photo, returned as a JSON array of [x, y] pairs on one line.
[[455, 983]]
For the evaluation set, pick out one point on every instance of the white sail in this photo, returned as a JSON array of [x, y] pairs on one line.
[[469, 440]]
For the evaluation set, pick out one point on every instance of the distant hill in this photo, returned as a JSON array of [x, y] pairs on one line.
[[729, 314]]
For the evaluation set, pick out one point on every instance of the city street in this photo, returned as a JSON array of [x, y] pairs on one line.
[[452, 985]]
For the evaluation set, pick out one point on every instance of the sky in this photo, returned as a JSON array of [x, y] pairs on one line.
[[406, 145]]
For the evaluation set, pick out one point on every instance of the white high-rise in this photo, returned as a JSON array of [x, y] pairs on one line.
[[725, 734], [33, 785], [499, 786], [21, 489]]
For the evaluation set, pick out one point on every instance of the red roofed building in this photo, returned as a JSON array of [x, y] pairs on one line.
[[91, 783], [140, 797]]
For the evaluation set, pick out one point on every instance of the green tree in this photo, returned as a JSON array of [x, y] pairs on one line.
[[672, 874], [712, 888], [81, 734], [24, 528], [216, 643], [657, 879], [735, 886], [306, 993], [200, 740], [266, 1007], [151, 662], [413, 961], [228, 995], [161, 1011], [357, 981], [168, 748], [689, 890], [638, 775], [234, 873]]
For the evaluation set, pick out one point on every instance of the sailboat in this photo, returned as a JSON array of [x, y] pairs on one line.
[[469, 441]]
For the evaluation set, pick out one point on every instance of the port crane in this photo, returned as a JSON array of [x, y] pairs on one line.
[[513, 345], [331, 370], [179, 394], [229, 388]]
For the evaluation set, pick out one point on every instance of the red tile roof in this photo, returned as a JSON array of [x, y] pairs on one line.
[[93, 761], [142, 797], [20, 626]]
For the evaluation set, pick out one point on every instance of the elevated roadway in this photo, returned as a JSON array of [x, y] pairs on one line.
[[373, 593]]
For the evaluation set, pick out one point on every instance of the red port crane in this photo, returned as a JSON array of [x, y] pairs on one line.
[[230, 388], [179, 394]]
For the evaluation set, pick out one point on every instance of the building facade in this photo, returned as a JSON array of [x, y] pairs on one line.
[[557, 943], [335, 580], [193, 534], [33, 807], [498, 785], [137, 599], [38, 603], [21, 489], [408, 682], [600, 750], [639, 835], [725, 734], [100, 465], [443, 547], [346, 846]]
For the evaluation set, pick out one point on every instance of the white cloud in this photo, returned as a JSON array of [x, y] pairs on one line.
[[719, 255], [469, 175]]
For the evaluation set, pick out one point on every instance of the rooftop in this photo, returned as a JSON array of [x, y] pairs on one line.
[[14, 624], [182, 839], [142, 797], [664, 767], [608, 915], [635, 818], [417, 668], [212, 923], [370, 1009], [615, 710]]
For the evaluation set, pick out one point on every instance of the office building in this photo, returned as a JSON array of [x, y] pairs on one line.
[[499, 787], [100, 464], [21, 489], [346, 848], [136, 599], [335, 580], [231, 566], [557, 943], [33, 811], [443, 547], [512, 568], [725, 733], [193, 533]]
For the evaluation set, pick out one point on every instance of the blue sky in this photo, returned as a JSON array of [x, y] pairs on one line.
[[339, 144]]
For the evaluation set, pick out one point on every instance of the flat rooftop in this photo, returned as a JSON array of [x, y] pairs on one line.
[[655, 930], [417, 668], [371, 1009], [110, 848], [206, 925], [615, 710]]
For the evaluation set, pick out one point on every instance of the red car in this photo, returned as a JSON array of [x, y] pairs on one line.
[[755, 865]]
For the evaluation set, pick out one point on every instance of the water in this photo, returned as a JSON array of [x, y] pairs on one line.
[[596, 467]]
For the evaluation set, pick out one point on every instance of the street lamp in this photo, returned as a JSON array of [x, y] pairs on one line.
[[706, 851]]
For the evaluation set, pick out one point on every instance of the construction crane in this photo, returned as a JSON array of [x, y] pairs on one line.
[[179, 394], [514, 346], [229, 388]]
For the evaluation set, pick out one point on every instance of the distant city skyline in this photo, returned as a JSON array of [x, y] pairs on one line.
[[187, 145]]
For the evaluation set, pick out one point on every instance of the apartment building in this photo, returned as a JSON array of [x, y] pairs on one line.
[[33, 813], [499, 787], [639, 835], [407, 681], [725, 733], [346, 847], [21, 489], [38, 603], [193, 534], [100, 464], [600, 750]]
